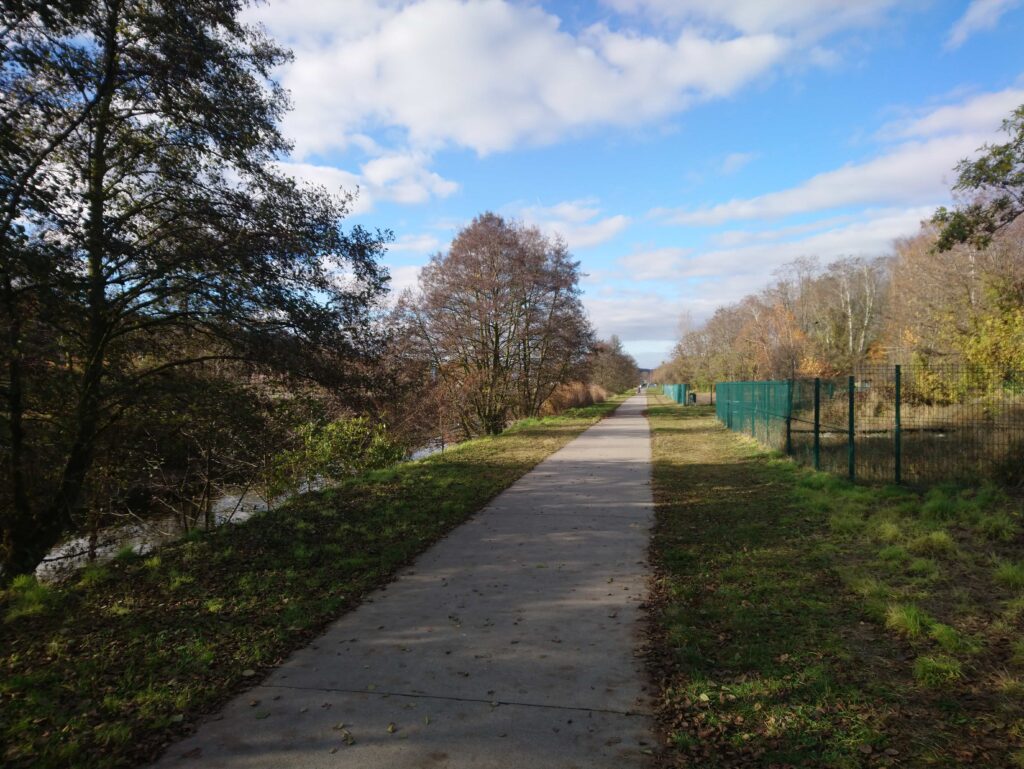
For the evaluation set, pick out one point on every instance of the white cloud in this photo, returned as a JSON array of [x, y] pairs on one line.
[[872, 235], [577, 221], [403, 277], [803, 18], [736, 238], [335, 180], [913, 173], [396, 177], [489, 75], [873, 202], [417, 244], [706, 280], [632, 315], [403, 178], [917, 169], [655, 264], [736, 161], [980, 113], [980, 15]]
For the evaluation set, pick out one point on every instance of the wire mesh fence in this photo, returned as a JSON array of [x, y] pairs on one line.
[[677, 392], [905, 424]]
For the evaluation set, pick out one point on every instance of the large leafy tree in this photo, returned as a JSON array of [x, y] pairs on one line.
[[500, 319], [145, 229], [995, 183], [983, 237]]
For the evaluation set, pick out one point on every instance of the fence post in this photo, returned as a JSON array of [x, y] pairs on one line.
[[817, 423], [752, 408], [898, 448], [789, 419], [851, 442]]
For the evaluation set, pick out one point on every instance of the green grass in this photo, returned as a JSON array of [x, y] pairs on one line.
[[938, 671], [951, 640], [997, 526], [887, 531], [894, 553], [933, 543], [105, 669], [828, 622], [28, 598], [907, 619], [1010, 574]]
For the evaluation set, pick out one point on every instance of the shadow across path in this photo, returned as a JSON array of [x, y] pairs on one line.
[[508, 644]]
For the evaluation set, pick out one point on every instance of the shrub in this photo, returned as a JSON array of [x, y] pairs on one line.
[[989, 494], [1017, 649], [127, 554], [333, 452], [823, 482]]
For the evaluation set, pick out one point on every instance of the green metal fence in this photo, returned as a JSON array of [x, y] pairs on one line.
[[909, 424], [677, 392]]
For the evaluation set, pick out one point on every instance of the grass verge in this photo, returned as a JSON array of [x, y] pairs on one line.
[[109, 667], [802, 621]]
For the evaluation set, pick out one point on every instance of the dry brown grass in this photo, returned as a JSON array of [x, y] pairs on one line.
[[573, 395]]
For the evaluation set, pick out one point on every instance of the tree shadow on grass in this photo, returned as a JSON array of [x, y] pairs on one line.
[[763, 655]]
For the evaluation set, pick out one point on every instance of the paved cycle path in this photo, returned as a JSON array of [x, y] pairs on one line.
[[508, 645]]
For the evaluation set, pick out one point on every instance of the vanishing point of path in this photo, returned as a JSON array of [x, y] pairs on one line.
[[508, 645]]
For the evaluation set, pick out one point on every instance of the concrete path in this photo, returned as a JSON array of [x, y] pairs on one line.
[[508, 645]]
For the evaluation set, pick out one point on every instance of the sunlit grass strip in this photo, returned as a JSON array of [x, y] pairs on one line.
[[749, 638], [120, 660], [892, 616]]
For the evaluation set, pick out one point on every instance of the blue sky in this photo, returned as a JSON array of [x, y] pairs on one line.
[[685, 149]]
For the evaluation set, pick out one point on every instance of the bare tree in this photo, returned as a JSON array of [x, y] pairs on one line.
[[499, 317], [613, 368]]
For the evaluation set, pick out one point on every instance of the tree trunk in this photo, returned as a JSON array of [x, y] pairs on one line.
[[20, 513], [34, 537]]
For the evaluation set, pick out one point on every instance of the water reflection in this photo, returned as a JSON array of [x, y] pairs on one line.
[[143, 535]]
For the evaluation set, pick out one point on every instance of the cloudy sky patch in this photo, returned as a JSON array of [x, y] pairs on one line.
[[684, 149]]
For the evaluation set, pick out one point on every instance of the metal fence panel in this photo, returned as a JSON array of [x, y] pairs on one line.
[[916, 424], [677, 392]]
